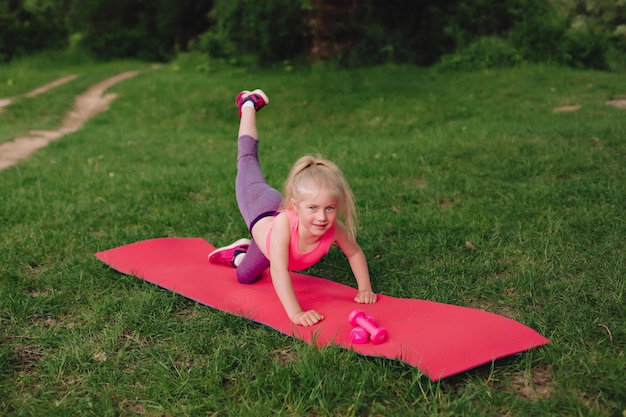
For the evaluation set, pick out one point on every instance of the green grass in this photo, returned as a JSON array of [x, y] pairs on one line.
[[46, 111], [435, 160]]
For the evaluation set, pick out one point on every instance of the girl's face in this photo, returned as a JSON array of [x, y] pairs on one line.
[[316, 210]]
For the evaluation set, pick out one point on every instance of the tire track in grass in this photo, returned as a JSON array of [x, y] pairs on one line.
[[4, 102], [86, 105]]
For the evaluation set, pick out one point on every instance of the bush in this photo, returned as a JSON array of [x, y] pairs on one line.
[[118, 29], [28, 27], [467, 34], [586, 50], [487, 52], [539, 36], [273, 30], [552, 40], [406, 31], [149, 30]]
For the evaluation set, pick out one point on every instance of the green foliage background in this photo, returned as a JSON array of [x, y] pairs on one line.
[[579, 33]]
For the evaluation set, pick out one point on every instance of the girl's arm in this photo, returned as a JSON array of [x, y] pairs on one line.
[[358, 263], [279, 261]]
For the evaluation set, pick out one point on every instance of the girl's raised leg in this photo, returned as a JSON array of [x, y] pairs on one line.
[[255, 197]]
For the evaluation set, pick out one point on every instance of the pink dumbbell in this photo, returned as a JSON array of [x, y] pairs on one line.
[[359, 318], [359, 335]]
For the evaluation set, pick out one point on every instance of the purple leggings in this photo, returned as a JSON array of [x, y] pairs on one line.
[[256, 200]]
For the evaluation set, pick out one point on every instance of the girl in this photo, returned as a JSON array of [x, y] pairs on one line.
[[291, 232]]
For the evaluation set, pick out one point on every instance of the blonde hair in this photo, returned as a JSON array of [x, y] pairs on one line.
[[314, 170]]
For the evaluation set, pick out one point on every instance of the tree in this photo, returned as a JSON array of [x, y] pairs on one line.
[[28, 26]]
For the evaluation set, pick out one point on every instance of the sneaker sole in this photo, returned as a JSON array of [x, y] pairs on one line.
[[262, 94]]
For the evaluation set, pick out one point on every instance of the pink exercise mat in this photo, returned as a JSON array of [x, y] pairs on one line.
[[439, 339]]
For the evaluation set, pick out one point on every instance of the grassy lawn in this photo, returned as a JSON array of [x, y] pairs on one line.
[[471, 190], [46, 111]]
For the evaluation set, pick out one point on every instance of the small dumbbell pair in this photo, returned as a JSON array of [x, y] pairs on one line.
[[366, 329]]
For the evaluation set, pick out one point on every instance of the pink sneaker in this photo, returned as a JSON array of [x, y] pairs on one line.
[[257, 97], [228, 255]]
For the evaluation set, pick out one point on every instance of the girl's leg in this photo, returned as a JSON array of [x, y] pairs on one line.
[[252, 266], [255, 198], [247, 124], [251, 190]]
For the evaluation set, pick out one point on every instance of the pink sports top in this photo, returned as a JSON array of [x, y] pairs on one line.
[[298, 260]]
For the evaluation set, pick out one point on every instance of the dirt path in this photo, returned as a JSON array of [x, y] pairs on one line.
[[94, 101], [87, 105], [4, 102], [620, 103]]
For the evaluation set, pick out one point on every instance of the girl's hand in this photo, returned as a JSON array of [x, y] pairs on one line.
[[307, 318], [365, 297]]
